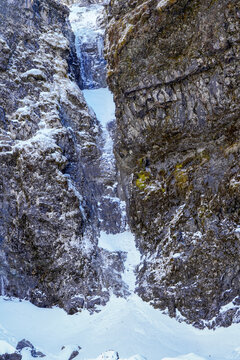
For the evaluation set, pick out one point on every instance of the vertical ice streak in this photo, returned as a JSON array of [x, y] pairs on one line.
[[2, 286], [89, 39], [85, 24]]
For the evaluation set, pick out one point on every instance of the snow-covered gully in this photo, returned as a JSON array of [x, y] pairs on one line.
[[125, 326]]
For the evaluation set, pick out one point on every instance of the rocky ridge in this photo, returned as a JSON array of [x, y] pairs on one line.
[[173, 67]]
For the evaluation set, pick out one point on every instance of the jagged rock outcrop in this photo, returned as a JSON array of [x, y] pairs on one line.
[[13, 356], [50, 166], [174, 69]]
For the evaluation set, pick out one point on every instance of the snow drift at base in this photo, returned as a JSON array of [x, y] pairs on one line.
[[127, 325]]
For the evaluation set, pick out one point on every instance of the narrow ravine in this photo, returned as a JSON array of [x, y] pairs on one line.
[[86, 23], [101, 101], [126, 328]]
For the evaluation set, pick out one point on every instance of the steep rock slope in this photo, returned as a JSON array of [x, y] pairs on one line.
[[88, 24], [50, 166], [173, 68]]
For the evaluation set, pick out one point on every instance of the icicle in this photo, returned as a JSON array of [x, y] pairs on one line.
[[2, 286], [100, 46]]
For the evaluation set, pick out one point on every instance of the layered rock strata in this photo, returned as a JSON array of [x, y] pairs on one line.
[[174, 69]]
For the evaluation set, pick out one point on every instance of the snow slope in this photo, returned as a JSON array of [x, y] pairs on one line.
[[101, 101], [128, 326], [123, 242]]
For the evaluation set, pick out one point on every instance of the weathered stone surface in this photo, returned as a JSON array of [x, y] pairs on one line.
[[13, 356], [23, 344], [50, 166], [174, 69]]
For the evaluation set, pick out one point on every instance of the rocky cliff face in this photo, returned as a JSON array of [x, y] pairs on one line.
[[88, 23], [174, 69], [50, 155]]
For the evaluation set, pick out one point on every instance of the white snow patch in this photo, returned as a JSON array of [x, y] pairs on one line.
[[108, 355], [129, 326], [42, 140], [85, 25], [234, 183], [162, 3], [36, 73], [6, 348], [77, 194], [123, 242], [190, 356], [228, 306], [176, 255], [84, 21], [101, 101]]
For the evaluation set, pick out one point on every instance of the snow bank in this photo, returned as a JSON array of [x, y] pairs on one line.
[[128, 326], [185, 357], [6, 348]]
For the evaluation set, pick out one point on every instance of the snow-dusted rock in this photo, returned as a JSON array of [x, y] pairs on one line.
[[4, 54], [51, 178], [24, 344], [173, 67], [33, 74]]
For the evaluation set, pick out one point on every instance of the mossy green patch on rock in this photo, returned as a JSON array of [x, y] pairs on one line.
[[142, 179], [181, 177], [175, 86]]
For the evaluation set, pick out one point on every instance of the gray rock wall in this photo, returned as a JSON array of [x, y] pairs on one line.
[[174, 69], [50, 164]]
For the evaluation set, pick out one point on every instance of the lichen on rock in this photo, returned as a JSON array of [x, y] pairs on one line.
[[174, 77]]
